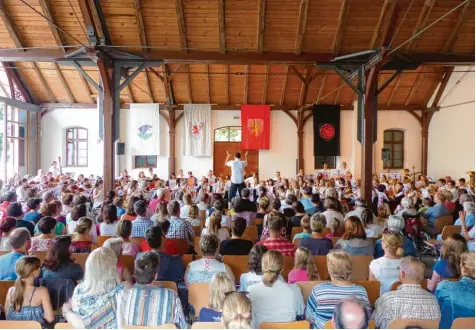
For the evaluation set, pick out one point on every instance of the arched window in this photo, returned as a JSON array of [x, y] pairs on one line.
[[76, 147], [228, 134], [393, 141]]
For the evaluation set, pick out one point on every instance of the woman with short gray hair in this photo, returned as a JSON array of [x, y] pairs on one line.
[[406, 206], [395, 224]]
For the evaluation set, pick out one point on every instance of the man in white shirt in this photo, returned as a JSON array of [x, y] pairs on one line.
[[237, 173], [21, 190], [54, 169]]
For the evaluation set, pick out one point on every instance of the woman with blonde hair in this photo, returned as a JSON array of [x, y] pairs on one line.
[[386, 269], [220, 285], [304, 267], [449, 264], [82, 241], [161, 213], [115, 244], [456, 298], [25, 302], [274, 300], [188, 202], [236, 311], [324, 297], [214, 227], [124, 231], [193, 216]]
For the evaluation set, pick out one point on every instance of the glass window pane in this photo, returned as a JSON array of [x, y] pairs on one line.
[[221, 134], [83, 154], [139, 161], [398, 163], [82, 145], [22, 131], [82, 133], [69, 133], [235, 134], [151, 160], [82, 162], [398, 136], [398, 155], [387, 136], [397, 147]]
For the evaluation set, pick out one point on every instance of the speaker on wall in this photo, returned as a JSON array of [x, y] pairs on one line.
[[385, 154], [121, 148]]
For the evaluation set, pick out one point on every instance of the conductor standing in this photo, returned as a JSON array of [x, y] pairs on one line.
[[237, 173]]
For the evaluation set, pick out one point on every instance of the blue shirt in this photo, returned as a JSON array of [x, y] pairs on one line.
[[32, 216], [408, 248], [171, 268], [469, 220], [209, 315], [7, 266], [306, 202], [434, 212], [140, 226], [120, 211], [456, 300], [442, 268]]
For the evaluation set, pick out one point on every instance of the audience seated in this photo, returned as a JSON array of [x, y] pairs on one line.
[[6, 227], [304, 267], [325, 296], [466, 231], [438, 210], [275, 205], [386, 269], [124, 231], [274, 300], [179, 228], [316, 205], [275, 241], [456, 298], [25, 302], [449, 264], [244, 204], [202, 270], [406, 207], [335, 229], [236, 311], [236, 245], [82, 241], [318, 243], [371, 229], [220, 285], [43, 241], [115, 244], [163, 305], [108, 224], [300, 213], [130, 213], [306, 229], [351, 313], [53, 209], [410, 300], [20, 242], [355, 241], [9, 198], [332, 211], [141, 222], [255, 273], [33, 205], [15, 210], [59, 264], [395, 224], [213, 227]]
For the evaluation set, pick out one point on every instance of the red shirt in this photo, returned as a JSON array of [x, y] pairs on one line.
[[282, 245], [4, 208], [170, 247], [450, 206]]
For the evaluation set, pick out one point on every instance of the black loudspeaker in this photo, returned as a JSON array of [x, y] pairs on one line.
[[385, 154], [121, 149]]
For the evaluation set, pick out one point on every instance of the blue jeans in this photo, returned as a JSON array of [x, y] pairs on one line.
[[234, 188]]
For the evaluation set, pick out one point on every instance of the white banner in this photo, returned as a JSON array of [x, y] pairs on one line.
[[143, 129], [198, 130]]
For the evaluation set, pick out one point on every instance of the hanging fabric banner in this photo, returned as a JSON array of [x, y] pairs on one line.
[[326, 130], [143, 129], [255, 127], [198, 130]]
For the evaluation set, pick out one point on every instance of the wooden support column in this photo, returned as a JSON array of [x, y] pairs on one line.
[[300, 134], [172, 124]]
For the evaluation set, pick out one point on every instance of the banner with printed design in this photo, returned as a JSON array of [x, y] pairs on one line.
[[255, 126], [143, 129], [326, 130], [198, 130]]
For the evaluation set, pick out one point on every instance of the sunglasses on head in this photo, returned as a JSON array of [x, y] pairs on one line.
[[245, 293]]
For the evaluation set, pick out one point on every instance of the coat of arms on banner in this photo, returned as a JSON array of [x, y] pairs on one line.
[[197, 130], [327, 131], [255, 126], [144, 132]]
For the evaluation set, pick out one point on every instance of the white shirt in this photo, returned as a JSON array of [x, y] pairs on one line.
[[108, 229], [94, 233], [21, 194], [279, 303], [386, 272], [237, 170], [330, 215]]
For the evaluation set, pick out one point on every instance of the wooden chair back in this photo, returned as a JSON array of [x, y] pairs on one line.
[[334, 240], [360, 267], [252, 232], [207, 325], [167, 284], [80, 259], [463, 323], [321, 264], [182, 245], [196, 245], [163, 326], [128, 262], [424, 285], [188, 258], [294, 231], [258, 221], [4, 286], [63, 326], [288, 266], [20, 325], [137, 240], [329, 325], [442, 222], [102, 239], [285, 325], [450, 230], [237, 264], [404, 323], [198, 296], [197, 230], [41, 254], [202, 214]]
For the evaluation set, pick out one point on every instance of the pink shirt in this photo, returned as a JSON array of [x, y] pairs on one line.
[[297, 275]]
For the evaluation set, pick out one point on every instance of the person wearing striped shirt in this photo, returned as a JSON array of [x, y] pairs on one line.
[[325, 296]]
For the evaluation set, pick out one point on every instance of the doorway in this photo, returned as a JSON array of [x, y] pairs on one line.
[[228, 138]]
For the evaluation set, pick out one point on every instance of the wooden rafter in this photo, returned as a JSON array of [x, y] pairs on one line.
[[227, 85], [261, 24], [303, 8], [421, 23], [336, 99], [171, 75], [209, 96], [321, 89], [298, 74], [86, 87], [7, 21], [414, 88], [394, 90], [147, 86], [92, 21], [265, 87], [305, 86], [344, 10], [64, 83], [465, 13], [445, 77], [129, 94], [45, 87], [245, 92], [189, 88], [181, 25], [383, 23], [45, 6], [283, 88], [221, 25], [140, 24]]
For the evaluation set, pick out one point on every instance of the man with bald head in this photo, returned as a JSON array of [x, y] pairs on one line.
[[351, 314], [410, 300]]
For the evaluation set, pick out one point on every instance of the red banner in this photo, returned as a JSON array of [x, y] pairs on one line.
[[255, 127]]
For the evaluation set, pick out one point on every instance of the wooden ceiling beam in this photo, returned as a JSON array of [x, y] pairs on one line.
[[414, 88], [261, 24], [147, 86], [86, 87], [298, 74], [445, 77], [45, 87], [283, 88], [301, 27], [305, 86], [64, 83], [7, 21], [265, 87], [189, 87], [96, 27], [463, 16], [181, 25], [321, 89], [227, 85], [222, 25], [45, 6], [129, 94], [394, 90], [344, 11], [245, 98], [209, 96], [421, 23], [140, 25], [336, 99], [383, 23]]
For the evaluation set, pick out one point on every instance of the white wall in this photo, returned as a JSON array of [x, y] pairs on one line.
[[53, 137], [451, 133]]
